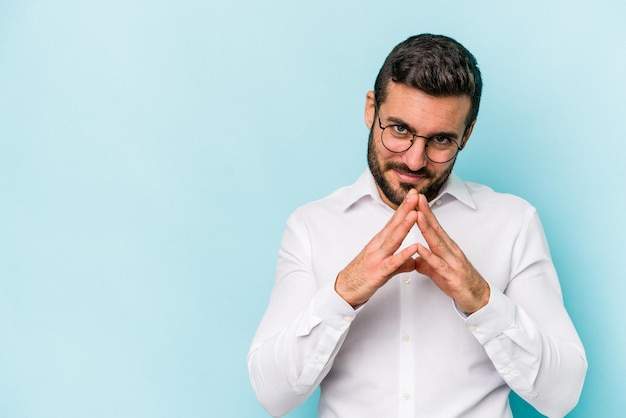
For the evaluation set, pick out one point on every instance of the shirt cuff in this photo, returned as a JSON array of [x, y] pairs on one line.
[[329, 308], [493, 319]]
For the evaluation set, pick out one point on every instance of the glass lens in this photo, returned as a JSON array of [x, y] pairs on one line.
[[440, 153], [398, 139]]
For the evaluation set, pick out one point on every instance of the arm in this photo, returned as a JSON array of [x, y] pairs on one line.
[[287, 366], [525, 330], [305, 324]]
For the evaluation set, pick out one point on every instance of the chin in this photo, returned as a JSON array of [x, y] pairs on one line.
[[420, 187]]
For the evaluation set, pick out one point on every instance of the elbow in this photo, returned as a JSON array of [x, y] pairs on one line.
[[276, 397], [269, 399], [565, 395], [577, 379], [276, 402], [576, 387]]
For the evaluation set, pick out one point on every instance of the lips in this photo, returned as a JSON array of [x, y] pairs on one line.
[[405, 177]]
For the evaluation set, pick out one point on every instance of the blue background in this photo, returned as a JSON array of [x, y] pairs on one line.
[[150, 152]]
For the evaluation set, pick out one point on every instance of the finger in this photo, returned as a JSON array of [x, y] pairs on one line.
[[409, 203], [402, 262], [396, 229], [423, 207], [434, 234], [396, 236], [468, 289], [429, 264]]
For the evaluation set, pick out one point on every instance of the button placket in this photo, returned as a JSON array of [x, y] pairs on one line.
[[406, 339]]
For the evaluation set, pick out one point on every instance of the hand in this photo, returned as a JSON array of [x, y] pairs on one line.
[[446, 264], [377, 262]]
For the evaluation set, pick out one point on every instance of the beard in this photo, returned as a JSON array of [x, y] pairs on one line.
[[432, 183]]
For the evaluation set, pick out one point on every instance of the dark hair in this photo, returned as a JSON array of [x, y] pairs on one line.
[[435, 64]]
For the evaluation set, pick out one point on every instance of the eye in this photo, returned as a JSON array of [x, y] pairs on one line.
[[440, 140], [400, 131]]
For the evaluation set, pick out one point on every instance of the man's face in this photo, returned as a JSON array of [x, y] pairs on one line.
[[424, 115]]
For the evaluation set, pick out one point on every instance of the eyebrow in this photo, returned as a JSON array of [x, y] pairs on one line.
[[397, 121]]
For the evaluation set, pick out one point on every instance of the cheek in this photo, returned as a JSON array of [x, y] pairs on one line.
[[381, 155], [385, 156], [438, 169], [442, 172]]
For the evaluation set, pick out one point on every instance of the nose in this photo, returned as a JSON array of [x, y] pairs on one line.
[[415, 157]]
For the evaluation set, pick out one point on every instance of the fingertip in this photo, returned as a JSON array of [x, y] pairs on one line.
[[421, 250], [410, 195]]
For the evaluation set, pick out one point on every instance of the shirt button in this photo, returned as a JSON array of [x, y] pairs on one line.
[[473, 327], [406, 337], [407, 280], [406, 396], [506, 370], [348, 319], [322, 359], [438, 202]]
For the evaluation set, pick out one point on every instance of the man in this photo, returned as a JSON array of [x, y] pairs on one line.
[[412, 293]]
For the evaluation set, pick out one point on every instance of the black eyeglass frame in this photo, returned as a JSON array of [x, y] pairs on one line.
[[412, 141]]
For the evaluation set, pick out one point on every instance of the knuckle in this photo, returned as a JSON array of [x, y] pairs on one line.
[[385, 265]]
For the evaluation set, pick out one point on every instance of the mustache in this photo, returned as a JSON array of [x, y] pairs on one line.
[[422, 172]]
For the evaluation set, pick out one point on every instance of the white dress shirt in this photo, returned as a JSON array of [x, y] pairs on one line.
[[408, 351]]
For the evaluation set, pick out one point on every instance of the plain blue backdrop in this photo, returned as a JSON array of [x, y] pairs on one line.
[[150, 152]]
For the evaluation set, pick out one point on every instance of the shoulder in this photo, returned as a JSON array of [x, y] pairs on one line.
[[485, 196], [337, 202]]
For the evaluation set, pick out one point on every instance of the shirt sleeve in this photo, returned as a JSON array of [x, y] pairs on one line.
[[527, 332], [301, 331]]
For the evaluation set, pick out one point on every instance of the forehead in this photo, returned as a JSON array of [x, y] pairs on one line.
[[424, 112]]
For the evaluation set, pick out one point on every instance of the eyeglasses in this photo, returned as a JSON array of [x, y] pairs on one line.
[[398, 139]]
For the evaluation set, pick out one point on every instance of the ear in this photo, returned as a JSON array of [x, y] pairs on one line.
[[468, 133], [370, 109]]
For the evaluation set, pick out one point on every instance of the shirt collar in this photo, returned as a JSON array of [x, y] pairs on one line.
[[456, 188], [365, 188]]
